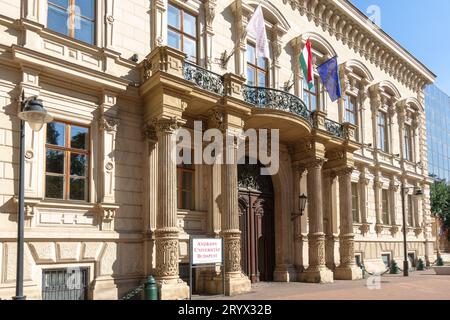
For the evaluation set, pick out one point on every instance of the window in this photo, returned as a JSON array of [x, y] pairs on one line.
[[312, 97], [257, 68], [67, 159], [382, 131], [410, 211], [65, 284], [385, 206], [351, 111], [186, 186], [355, 203], [182, 33], [74, 18], [408, 143], [386, 257]]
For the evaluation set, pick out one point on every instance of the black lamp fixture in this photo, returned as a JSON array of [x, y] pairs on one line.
[[301, 206], [33, 112]]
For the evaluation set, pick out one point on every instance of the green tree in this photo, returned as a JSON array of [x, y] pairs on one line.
[[440, 203]]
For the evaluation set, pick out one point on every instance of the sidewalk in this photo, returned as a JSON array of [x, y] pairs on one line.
[[420, 285]]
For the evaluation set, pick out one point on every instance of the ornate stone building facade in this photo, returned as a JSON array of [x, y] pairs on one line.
[[119, 85]]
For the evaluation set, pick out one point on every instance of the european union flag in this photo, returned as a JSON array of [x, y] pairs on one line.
[[329, 74]]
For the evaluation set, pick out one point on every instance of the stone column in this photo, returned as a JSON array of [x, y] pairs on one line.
[[317, 271], [236, 282], [329, 193], [167, 244], [378, 186], [298, 241], [347, 269]]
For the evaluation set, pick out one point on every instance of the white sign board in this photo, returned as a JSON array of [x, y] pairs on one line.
[[206, 251]]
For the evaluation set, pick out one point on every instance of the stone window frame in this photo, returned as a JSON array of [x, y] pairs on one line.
[[386, 144], [386, 253], [251, 42], [183, 8], [386, 192], [99, 33], [88, 152], [411, 120]]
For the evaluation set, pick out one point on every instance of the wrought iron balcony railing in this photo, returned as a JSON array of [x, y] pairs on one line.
[[203, 78], [335, 128], [275, 99], [260, 97]]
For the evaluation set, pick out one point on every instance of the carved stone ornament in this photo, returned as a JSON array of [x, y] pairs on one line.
[[149, 132], [167, 254], [29, 154], [347, 250], [364, 228], [210, 12], [216, 119], [233, 252], [108, 124], [316, 251], [110, 19], [169, 125], [394, 230], [379, 228]]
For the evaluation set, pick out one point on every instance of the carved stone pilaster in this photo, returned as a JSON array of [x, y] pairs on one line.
[[210, 14]]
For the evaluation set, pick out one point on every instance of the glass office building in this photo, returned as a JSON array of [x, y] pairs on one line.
[[437, 105]]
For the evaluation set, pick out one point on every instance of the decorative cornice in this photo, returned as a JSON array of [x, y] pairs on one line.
[[361, 35]]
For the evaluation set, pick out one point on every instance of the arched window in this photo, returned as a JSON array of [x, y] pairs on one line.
[[384, 97], [315, 98], [355, 78]]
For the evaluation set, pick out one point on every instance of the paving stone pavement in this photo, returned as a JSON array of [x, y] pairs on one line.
[[420, 285]]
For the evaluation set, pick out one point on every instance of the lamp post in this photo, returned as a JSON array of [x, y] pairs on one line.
[[405, 245], [302, 205], [32, 111]]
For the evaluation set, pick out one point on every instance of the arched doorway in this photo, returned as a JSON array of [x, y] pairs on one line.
[[256, 221]]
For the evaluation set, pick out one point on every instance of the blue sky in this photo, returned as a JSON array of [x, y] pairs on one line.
[[422, 28]]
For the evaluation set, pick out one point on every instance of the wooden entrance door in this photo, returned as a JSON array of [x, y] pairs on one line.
[[256, 219]]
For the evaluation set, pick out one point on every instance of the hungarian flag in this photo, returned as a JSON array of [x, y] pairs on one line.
[[306, 64]]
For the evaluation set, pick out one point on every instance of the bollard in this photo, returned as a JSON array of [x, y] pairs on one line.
[[151, 289]]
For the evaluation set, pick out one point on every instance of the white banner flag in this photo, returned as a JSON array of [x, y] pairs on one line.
[[256, 28]]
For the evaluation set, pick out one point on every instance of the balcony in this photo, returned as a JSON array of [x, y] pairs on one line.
[[259, 97], [276, 99], [203, 78]]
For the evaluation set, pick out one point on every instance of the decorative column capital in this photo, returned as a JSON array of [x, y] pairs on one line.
[[299, 168], [345, 172], [315, 164], [166, 125], [149, 133]]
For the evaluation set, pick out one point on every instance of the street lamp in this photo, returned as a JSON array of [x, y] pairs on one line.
[[418, 192], [302, 205], [33, 112]]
